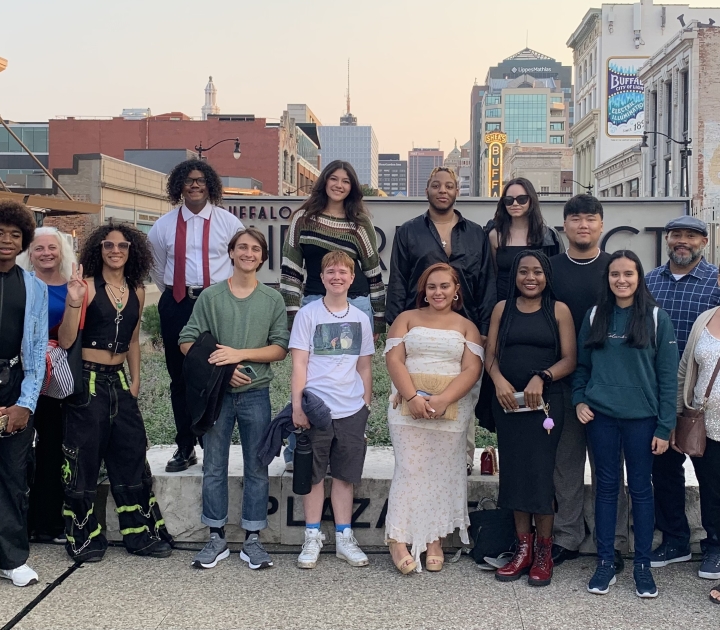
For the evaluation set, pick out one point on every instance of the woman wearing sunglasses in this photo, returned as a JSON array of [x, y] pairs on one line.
[[518, 225], [104, 422]]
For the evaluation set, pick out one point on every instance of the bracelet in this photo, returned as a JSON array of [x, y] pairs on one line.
[[545, 375], [409, 399], [73, 306]]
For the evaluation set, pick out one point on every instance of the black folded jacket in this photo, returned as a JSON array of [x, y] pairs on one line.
[[205, 383]]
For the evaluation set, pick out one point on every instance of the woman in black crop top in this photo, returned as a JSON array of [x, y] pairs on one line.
[[104, 421]]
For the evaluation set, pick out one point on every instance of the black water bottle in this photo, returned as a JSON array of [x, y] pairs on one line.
[[302, 465]]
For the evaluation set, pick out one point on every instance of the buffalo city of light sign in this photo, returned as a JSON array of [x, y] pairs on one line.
[[495, 142]]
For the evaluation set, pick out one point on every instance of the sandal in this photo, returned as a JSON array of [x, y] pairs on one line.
[[406, 564], [437, 565], [715, 589]]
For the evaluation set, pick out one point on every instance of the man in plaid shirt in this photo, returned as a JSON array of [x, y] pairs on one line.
[[685, 286]]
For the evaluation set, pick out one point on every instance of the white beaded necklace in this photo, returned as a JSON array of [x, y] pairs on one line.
[[582, 264]]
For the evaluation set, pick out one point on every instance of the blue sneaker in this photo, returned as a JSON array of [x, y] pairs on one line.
[[644, 583], [668, 552], [710, 566], [603, 579]]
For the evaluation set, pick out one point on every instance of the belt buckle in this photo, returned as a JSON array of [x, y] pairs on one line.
[[191, 292]]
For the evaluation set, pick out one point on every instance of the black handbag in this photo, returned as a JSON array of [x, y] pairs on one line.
[[491, 530]]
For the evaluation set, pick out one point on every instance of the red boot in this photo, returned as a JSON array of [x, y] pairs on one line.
[[542, 568], [520, 563]]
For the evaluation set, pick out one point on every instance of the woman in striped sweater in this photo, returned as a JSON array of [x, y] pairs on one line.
[[333, 218]]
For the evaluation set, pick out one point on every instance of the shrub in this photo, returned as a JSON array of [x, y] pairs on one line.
[[151, 324]]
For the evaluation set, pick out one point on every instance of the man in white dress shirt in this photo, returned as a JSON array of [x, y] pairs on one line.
[[196, 234]]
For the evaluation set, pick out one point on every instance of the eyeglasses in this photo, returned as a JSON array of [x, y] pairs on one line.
[[200, 181], [521, 200], [108, 246]]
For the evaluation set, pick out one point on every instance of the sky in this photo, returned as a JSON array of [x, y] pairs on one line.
[[412, 62]]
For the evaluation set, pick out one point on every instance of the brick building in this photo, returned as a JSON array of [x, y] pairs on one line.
[[269, 149]]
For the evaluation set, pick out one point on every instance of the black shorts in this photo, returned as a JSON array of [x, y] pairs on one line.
[[343, 446]]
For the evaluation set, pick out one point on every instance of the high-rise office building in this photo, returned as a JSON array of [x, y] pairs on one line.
[[529, 97], [355, 144], [392, 174], [421, 162]]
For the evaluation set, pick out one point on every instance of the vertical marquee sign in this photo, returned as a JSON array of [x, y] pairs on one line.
[[495, 141]]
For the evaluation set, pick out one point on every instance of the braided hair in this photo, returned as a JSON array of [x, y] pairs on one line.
[[547, 304]]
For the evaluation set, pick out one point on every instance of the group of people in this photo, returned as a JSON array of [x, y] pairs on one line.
[[562, 353]]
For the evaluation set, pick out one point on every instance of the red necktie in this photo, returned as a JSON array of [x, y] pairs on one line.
[[179, 284]]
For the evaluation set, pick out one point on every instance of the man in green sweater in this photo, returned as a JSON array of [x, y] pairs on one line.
[[249, 322]]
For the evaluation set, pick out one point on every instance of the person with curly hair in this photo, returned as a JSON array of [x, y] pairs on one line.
[[196, 233], [103, 422], [23, 322]]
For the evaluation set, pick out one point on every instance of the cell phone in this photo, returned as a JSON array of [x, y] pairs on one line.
[[4, 419], [248, 371], [520, 399], [420, 392]]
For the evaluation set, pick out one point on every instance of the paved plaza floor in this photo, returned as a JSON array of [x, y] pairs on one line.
[[125, 592]]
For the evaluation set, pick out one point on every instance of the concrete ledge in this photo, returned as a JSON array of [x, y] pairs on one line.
[[180, 498]]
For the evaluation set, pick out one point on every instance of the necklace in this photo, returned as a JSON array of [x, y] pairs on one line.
[[231, 287], [118, 300], [589, 262], [443, 242], [333, 314]]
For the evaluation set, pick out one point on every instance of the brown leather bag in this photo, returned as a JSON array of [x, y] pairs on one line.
[[690, 433]]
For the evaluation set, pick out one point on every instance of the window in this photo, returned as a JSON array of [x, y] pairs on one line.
[[617, 191], [492, 100], [668, 116], [492, 126], [526, 118], [544, 190], [557, 139], [493, 113], [556, 99], [668, 176], [653, 179], [685, 104], [634, 187], [604, 193], [557, 126]]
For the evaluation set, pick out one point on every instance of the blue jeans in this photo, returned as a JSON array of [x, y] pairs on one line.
[[363, 303], [608, 437], [251, 410]]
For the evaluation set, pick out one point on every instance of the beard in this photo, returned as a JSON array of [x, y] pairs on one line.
[[447, 209], [583, 247], [684, 261]]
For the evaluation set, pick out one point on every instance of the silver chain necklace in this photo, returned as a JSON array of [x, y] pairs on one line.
[[333, 314], [582, 264]]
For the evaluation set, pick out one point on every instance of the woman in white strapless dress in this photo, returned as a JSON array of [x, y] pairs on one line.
[[435, 350]]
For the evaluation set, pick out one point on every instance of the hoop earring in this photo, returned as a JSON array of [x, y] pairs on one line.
[[425, 298], [456, 298]]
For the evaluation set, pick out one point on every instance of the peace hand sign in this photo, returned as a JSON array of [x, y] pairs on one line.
[[76, 286]]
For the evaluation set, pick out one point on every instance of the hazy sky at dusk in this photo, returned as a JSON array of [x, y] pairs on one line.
[[413, 62]]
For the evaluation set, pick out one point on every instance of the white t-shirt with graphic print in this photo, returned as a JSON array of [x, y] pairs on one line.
[[335, 344]]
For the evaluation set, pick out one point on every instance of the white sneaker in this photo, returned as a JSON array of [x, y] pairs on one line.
[[346, 547], [311, 549], [22, 576]]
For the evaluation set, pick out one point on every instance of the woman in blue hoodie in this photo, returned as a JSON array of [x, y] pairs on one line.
[[624, 391]]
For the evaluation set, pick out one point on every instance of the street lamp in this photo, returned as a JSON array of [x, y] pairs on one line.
[[290, 192], [685, 153], [236, 150], [588, 188]]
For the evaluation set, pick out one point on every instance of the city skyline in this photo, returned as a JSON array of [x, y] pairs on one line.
[[111, 60]]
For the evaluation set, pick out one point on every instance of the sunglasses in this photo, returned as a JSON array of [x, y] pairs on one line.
[[108, 246], [521, 200]]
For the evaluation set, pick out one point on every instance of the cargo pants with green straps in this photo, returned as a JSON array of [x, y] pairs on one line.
[[104, 423]]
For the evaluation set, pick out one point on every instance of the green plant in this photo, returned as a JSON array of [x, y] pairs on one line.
[[151, 325]]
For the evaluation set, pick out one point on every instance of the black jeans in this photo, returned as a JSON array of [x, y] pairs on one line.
[[16, 466], [707, 469], [104, 423], [669, 486], [46, 492], [173, 317]]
